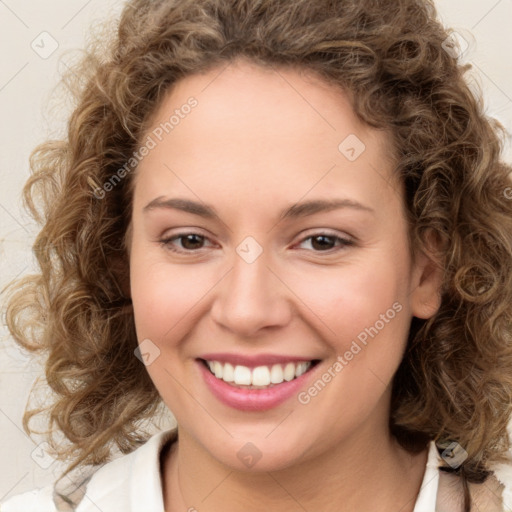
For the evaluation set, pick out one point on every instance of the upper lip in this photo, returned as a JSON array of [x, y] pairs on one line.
[[252, 361]]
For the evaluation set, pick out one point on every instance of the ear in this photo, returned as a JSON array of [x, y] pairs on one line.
[[426, 284]]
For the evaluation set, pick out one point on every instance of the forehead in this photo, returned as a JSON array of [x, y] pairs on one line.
[[262, 101], [259, 130]]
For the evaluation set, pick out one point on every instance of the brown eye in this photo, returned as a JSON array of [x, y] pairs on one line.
[[189, 242], [324, 242]]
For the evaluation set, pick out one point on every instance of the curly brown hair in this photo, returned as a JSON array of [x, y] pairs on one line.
[[455, 381]]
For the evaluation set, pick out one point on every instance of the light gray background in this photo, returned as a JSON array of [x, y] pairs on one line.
[[28, 117]]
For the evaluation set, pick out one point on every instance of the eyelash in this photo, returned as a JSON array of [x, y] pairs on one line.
[[167, 242]]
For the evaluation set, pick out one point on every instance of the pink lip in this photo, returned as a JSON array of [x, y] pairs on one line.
[[255, 360], [245, 399]]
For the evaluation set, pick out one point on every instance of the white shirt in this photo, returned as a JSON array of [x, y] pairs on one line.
[[131, 483]]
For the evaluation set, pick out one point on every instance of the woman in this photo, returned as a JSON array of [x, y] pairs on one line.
[[288, 222]]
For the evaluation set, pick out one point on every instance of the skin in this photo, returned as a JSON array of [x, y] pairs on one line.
[[259, 141]]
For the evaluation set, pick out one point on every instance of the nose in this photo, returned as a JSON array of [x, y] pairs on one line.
[[252, 297]]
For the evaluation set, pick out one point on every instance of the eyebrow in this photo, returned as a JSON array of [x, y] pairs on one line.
[[303, 209]]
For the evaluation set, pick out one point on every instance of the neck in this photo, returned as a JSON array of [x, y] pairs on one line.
[[365, 472]]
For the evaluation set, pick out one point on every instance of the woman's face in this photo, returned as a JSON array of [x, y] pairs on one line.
[[237, 260]]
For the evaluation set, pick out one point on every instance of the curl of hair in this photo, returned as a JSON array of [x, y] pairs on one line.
[[455, 381]]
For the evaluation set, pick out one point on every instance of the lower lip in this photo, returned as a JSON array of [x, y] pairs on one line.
[[246, 399]]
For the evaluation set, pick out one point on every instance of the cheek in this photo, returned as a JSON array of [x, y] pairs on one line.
[[164, 296], [166, 300], [348, 300], [365, 321]]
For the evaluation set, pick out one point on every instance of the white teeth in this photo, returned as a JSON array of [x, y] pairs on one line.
[[289, 372], [261, 376], [301, 368], [228, 374], [242, 375], [217, 369], [276, 374]]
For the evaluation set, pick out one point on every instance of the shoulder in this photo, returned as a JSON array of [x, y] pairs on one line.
[[130, 482], [489, 495], [37, 500], [492, 495], [502, 479], [442, 489]]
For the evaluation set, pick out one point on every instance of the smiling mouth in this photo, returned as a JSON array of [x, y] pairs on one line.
[[260, 377]]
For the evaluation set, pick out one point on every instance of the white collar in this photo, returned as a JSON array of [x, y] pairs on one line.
[[133, 482], [426, 501]]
